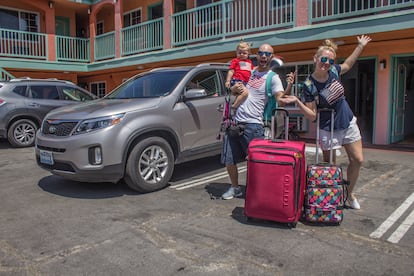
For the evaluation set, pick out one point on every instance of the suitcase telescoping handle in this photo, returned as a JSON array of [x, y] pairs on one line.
[[272, 127], [318, 115]]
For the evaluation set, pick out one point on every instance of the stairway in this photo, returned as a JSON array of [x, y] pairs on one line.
[[4, 75]]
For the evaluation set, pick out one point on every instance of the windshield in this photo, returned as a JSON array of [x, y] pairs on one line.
[[149, 85], [73, 94]]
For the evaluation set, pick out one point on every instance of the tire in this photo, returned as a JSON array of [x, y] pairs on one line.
[[22, 133], [150, 165]]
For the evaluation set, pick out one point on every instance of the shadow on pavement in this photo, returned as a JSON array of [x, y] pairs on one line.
[[4, 144], [59, 186], [215, 190], [196, 167], [238, 214]]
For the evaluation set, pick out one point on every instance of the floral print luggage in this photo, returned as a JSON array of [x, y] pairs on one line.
[[325, 187], [324, 194]]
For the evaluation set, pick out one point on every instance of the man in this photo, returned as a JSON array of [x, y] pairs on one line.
[[250, 116]]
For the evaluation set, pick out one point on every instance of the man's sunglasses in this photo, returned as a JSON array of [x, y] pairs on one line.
[[267, 54], [325, 59]]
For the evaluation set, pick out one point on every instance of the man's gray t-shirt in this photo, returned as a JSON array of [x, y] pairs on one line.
[[251, 110]]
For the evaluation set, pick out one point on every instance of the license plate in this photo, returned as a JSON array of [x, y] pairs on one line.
[[46, 157]]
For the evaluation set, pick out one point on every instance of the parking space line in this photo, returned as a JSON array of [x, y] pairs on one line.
[[204, 180], [402, 229], [392, 218], [395, 237]]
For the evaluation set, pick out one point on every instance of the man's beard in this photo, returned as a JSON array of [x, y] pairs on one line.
[[263, 63]]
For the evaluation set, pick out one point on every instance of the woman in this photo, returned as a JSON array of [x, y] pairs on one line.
[[323, 89]]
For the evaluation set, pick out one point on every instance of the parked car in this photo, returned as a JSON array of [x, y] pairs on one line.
[[24, 102], [139, 131]]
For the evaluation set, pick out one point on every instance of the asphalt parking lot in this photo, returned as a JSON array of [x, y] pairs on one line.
[[51, 226]]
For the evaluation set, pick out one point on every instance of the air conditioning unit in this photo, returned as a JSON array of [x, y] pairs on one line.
[[299, 122]]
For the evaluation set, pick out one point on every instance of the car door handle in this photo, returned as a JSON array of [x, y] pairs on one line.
[[34, 104]]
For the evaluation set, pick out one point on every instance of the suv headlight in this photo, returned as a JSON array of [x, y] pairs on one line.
[[98, 123]]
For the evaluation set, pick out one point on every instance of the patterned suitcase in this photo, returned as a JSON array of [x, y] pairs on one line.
[[275, 179], [324, 193]]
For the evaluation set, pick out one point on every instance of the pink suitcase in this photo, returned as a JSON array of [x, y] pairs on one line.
[[275, 179]]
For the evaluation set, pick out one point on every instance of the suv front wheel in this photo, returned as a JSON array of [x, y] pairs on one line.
[[150, 165], [22, 133]]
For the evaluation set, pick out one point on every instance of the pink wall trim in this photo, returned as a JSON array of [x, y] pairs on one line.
[[51, 47], [301, 12], [168, 11], [118, 28], [50, 31]]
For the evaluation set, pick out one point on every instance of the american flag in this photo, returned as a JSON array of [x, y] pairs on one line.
[[256, 81], [336, 92]]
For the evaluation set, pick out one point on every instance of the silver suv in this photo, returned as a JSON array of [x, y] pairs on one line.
[[24, 102], [139, 131]]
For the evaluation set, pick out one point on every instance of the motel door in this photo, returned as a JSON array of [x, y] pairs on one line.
[[398, 101], [62, 25]]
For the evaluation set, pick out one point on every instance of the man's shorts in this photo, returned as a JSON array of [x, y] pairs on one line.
[[235, 148], [340, 137]]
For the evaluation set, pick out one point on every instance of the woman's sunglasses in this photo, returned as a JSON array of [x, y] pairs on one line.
[[267, 54], [325, 59]]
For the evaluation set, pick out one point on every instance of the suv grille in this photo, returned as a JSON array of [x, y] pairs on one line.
[[58, 128]]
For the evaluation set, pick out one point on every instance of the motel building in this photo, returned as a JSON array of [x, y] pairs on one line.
[[98, 44]]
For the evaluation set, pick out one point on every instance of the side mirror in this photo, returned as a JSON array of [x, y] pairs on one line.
[[195, 93]]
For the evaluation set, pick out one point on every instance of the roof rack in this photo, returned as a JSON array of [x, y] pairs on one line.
[[20, 79], [213, 63], [30, 79]]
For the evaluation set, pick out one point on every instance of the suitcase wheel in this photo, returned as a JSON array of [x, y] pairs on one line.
[[292, 225]]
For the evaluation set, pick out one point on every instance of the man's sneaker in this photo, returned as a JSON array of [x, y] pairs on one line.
[[354, 204], [232, 192]]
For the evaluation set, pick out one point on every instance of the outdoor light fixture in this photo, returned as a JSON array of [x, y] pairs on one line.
[[89, 10], [383, 64], [50, 4]]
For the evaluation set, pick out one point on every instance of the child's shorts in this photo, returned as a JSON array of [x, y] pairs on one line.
[[234, 81]]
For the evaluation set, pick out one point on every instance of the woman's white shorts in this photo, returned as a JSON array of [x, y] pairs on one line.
[[340, 137]]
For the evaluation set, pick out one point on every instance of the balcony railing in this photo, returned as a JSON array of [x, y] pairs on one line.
[[230, 18], [144, 37], [72, 49], [105, 46], [209, 22], [22, 44], [328, 10]]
